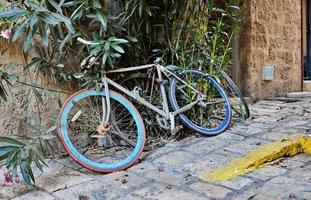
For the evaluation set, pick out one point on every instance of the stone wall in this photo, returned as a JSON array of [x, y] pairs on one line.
[[22, 106], [270, 35]]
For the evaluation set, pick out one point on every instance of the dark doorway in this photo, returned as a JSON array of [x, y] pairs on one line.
[[307, 65]]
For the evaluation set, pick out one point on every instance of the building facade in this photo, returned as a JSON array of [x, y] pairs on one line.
[[273, 56]]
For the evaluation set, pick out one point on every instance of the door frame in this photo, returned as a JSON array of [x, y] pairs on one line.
[[306, 40]]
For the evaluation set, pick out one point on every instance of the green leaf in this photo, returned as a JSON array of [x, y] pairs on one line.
[[6, 151], [117, 40], [38, 95], [107, 46], [24, 170], [96, 4], [38, 164], [132, 39], [15, 158], [13, 13], [79, 75], [77, 14], [33, 20], [11, 140], [41, 158], [28, 40], [117, 48], [105, 56], [19, 30], [66, 20], [30, 172], [64, 41], [33, 61], [48, 18], [235, 7], [3, 93], [115, 55], [55, 5], [6, 155], [87, 42], [44, 33], [102, 18]]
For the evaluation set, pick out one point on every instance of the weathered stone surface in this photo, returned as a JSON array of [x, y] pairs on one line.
[[38, 195], [8, 192], [246, 145], [210, 191], [22, 106], [59, 177], [104, 187], [267, 172], [171, 172], [270, 36], [238, 183]]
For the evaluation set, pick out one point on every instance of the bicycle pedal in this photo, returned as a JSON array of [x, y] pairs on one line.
[[176, 129]]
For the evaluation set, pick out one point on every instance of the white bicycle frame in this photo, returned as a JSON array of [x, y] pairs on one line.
[[163, 112]]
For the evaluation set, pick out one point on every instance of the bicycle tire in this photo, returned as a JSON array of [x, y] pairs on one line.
[[209, 131], [65, 132], [234, 89]]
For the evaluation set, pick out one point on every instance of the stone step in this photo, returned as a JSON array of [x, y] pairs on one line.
[[298, 94]]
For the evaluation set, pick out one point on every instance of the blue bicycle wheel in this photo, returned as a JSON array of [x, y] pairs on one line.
[[209, 117], [116, 146]]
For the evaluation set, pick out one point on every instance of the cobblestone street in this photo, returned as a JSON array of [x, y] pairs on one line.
[[171, 172]]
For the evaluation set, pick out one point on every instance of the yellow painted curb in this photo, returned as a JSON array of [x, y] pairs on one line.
[[256, 158]]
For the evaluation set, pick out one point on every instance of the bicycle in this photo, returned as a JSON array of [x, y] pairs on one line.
[[102, 130]]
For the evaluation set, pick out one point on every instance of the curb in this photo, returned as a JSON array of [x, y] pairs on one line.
[[255, 159]]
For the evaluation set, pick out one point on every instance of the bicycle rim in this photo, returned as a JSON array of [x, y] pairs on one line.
[[117, 148], [209, 117]]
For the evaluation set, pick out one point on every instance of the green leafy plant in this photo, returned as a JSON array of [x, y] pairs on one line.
[[112, 34], [5, 82], [20, 152]]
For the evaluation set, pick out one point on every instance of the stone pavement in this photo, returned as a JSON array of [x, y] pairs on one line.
[[171, 172]]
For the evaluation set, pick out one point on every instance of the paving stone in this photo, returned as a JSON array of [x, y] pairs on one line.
[[266, 125], [170, 172], [210, 161], [229, 137], [184, 142], [8, 192], [143, 166], [164, 176], [280, 187], [57, 177], [211, 191], [174, 158], [288, 163], [247, 145], [267, 119], [274, 135], [205, 145], [300, 174], [157, 191], [174, 193], [69, 162], [293, 123], [304, 158], [109, 186], [267, 172], [237, 183], [37, 195]]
